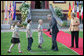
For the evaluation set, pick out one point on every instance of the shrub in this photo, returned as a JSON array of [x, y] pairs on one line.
[[64, 24], [24, 8], [58, 12]]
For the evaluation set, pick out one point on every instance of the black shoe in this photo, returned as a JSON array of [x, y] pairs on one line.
[[39, 47], [29, 49]]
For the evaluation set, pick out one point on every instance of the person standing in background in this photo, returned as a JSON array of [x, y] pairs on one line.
[[74, 30], [29, 35], [40, 33]]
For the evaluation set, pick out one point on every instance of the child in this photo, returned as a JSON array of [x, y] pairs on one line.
[[40, 33], [29, 35], [15, 38]]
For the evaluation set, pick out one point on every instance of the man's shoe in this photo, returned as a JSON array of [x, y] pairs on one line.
[[29, 49]]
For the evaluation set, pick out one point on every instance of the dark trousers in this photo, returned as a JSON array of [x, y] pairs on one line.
[[30, 41], [54, 42], [74, 34]]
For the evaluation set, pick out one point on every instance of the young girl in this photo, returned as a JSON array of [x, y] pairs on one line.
[[29, 35], [15, 38], [40, 33]]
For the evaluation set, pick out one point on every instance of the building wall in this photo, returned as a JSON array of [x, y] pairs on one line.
[[1, 13], [63, 6], [8, 3]]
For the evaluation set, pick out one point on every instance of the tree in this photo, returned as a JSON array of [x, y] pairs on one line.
[[58, 12], [24, 8]]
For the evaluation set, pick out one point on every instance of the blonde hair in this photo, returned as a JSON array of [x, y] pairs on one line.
[[40, 20]]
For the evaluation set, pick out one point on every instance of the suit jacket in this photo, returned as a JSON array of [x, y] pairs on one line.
[[74, 24], [53, 26]]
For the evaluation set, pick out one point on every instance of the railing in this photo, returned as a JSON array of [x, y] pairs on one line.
[[59, 21]]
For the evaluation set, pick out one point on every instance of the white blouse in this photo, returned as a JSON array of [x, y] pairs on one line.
[[16, 29]]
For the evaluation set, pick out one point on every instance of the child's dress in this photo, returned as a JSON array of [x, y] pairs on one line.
[[15, 38], [40, 34]]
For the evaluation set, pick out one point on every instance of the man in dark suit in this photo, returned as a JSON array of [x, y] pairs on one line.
[[54, 28]]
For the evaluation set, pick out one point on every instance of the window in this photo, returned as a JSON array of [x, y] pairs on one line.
[[80, 2], [19, 1], [18, 16], [59, 1]]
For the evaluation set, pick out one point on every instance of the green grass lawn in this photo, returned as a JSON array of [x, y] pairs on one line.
[[80, 33], [5, 44]]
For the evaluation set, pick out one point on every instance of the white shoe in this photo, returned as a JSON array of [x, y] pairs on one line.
[[20, 51]]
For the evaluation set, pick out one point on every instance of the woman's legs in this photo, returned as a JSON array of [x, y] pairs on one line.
[[76, 38], [72, 38]]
